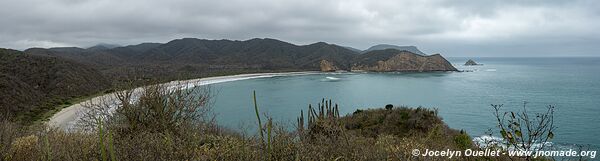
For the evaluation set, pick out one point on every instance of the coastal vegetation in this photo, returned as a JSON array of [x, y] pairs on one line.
[[176, 124]]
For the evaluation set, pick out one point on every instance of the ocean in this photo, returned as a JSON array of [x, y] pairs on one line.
[[571, 84]]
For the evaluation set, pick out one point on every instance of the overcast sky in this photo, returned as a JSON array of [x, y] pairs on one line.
[[452, 28]]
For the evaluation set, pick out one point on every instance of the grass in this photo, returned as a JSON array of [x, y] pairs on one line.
[[45, 116]]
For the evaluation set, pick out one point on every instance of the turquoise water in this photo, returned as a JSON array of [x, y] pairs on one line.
[[463, 98]]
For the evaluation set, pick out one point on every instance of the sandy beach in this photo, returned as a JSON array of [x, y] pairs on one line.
[[67, 117]]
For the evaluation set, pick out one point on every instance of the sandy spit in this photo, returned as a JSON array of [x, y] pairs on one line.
[[67, 117]]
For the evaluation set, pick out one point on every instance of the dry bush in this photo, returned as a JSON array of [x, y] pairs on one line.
[[154, 108], [24, 147], [524, 131], [8, 133], [39, 142]]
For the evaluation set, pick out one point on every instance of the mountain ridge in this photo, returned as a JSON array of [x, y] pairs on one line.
[[411, 48], [256, 53]]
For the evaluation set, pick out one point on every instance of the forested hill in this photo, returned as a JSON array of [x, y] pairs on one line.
[[32, 84]]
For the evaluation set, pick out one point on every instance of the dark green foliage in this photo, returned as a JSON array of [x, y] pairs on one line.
[[463, 141], [357, 111], [389, 106], [373, 57], [31, 85], [400, 121]]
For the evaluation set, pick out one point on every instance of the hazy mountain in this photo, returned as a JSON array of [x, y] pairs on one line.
[[97, 58], [412, 49], [143, 47], [103, 46], [353, 49]]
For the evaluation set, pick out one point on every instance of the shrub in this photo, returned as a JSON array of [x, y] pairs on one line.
[[522, 131], [463, 141], [23, 147], [389, 106]]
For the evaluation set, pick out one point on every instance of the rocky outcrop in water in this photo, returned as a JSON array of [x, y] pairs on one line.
[[470, 62], [402, 61]]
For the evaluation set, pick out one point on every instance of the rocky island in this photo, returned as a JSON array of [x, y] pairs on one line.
[[470, 62]]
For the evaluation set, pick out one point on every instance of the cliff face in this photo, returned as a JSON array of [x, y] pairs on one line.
[[394, 60], [327, 66]]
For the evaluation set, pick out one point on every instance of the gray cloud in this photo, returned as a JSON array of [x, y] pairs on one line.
[[454, 28]]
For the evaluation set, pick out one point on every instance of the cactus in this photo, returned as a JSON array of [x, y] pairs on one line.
[[301, 122], [111, 148], [48, 151], [262, 137], [267, 144], [101, 140], [324, 121], [269, 136]]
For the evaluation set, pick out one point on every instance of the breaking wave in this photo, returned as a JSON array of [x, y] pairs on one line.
[[331, 79], [487, 141]]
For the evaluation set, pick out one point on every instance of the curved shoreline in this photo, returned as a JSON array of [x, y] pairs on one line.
[[67, 117]]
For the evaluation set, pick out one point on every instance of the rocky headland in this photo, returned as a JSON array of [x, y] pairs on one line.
[[391, 60]]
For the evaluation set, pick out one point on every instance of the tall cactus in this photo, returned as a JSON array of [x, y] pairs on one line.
[[322, 121]]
